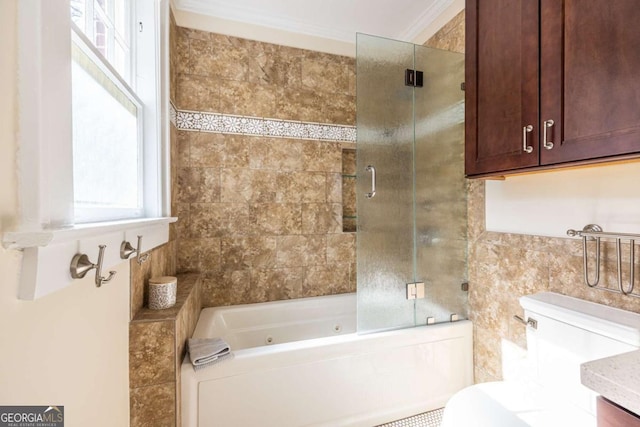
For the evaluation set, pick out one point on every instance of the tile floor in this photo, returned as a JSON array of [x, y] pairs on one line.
[[426, 419]]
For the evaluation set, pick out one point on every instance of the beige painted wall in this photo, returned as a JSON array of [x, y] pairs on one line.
[[69, 348]]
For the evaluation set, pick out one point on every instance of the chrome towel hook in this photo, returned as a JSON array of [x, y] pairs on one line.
[[80, 266], [126, 250]]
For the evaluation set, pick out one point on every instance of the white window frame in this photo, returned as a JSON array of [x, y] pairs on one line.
[[89, 30], [88, 215], [46, 231]]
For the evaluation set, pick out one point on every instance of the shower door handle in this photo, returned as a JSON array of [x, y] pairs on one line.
[[371, 169]]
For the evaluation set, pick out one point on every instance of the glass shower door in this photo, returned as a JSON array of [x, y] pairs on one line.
[[410, 148], [440, 186], [385, 221]]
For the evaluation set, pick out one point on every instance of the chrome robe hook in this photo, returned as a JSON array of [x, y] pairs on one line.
[[80, 266], [126, 250]]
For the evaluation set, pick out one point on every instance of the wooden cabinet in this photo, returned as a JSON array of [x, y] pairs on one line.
[[567, 71], [611, 415]]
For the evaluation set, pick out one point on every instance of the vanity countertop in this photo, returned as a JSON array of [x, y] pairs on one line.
[[617, 378]]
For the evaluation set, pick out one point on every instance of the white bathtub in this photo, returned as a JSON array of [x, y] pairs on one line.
[[300, 363]]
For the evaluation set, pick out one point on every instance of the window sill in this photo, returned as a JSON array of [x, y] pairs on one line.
[[48, 253], [30, 239]]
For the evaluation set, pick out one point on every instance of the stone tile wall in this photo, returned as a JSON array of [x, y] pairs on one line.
[[349, 211], [260, 217], [450, 36], [161, 262], [504, 267], [157, 341]]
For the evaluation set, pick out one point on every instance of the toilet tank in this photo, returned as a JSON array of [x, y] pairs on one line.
[[569, 332]]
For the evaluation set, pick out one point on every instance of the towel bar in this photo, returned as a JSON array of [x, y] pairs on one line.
[[591, 232]]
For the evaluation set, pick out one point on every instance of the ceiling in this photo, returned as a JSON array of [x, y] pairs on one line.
[[329, 19]]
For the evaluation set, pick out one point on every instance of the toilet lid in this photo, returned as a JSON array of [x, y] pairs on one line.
[[511, 404]]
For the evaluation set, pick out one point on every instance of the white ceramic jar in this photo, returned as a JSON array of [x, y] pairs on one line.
[[162, 292]]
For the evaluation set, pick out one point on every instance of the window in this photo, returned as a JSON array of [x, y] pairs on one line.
[[108, 129], [107, 24], [93, 119]]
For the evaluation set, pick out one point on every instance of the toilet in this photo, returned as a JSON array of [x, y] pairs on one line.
[[544, 389]]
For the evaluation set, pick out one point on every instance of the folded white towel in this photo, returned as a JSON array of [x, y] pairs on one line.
[[208, 351]]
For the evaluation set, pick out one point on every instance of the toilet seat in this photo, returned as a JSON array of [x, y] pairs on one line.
[[511, 404]]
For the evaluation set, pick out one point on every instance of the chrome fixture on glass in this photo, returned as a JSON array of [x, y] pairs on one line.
[[80, 266], [126, 250], [371, 169], [594, 232]]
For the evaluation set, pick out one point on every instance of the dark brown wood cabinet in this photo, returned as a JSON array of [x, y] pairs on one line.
[[551, 83], [611, 415]]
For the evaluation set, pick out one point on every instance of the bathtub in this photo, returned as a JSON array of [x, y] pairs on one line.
[[301, 363]]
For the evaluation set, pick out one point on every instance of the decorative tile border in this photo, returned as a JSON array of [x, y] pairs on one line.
[[224, 123]]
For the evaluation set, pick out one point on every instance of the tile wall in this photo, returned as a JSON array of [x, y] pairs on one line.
[[261, 216], [349, 213], [503, 267], [157, 341], [161, 262]]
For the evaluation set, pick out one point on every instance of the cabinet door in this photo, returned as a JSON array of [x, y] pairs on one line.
[[501, 76], [590, 78], [611, 415]]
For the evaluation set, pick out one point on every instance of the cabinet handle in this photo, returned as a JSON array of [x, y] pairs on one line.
[[525, 130], [547, 124]]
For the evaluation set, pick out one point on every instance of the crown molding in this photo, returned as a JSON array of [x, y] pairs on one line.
[[424, 20], [222, 9]]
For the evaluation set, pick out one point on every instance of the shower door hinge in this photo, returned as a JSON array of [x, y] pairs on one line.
[[415, 290], [413, 78]]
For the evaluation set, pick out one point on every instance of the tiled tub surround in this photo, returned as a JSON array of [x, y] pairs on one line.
[[258, 194], [503, 267], [157, 341], [349, 214], [161, 262], [229, 75]]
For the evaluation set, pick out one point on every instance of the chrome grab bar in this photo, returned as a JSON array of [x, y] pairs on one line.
[[371, 169]]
